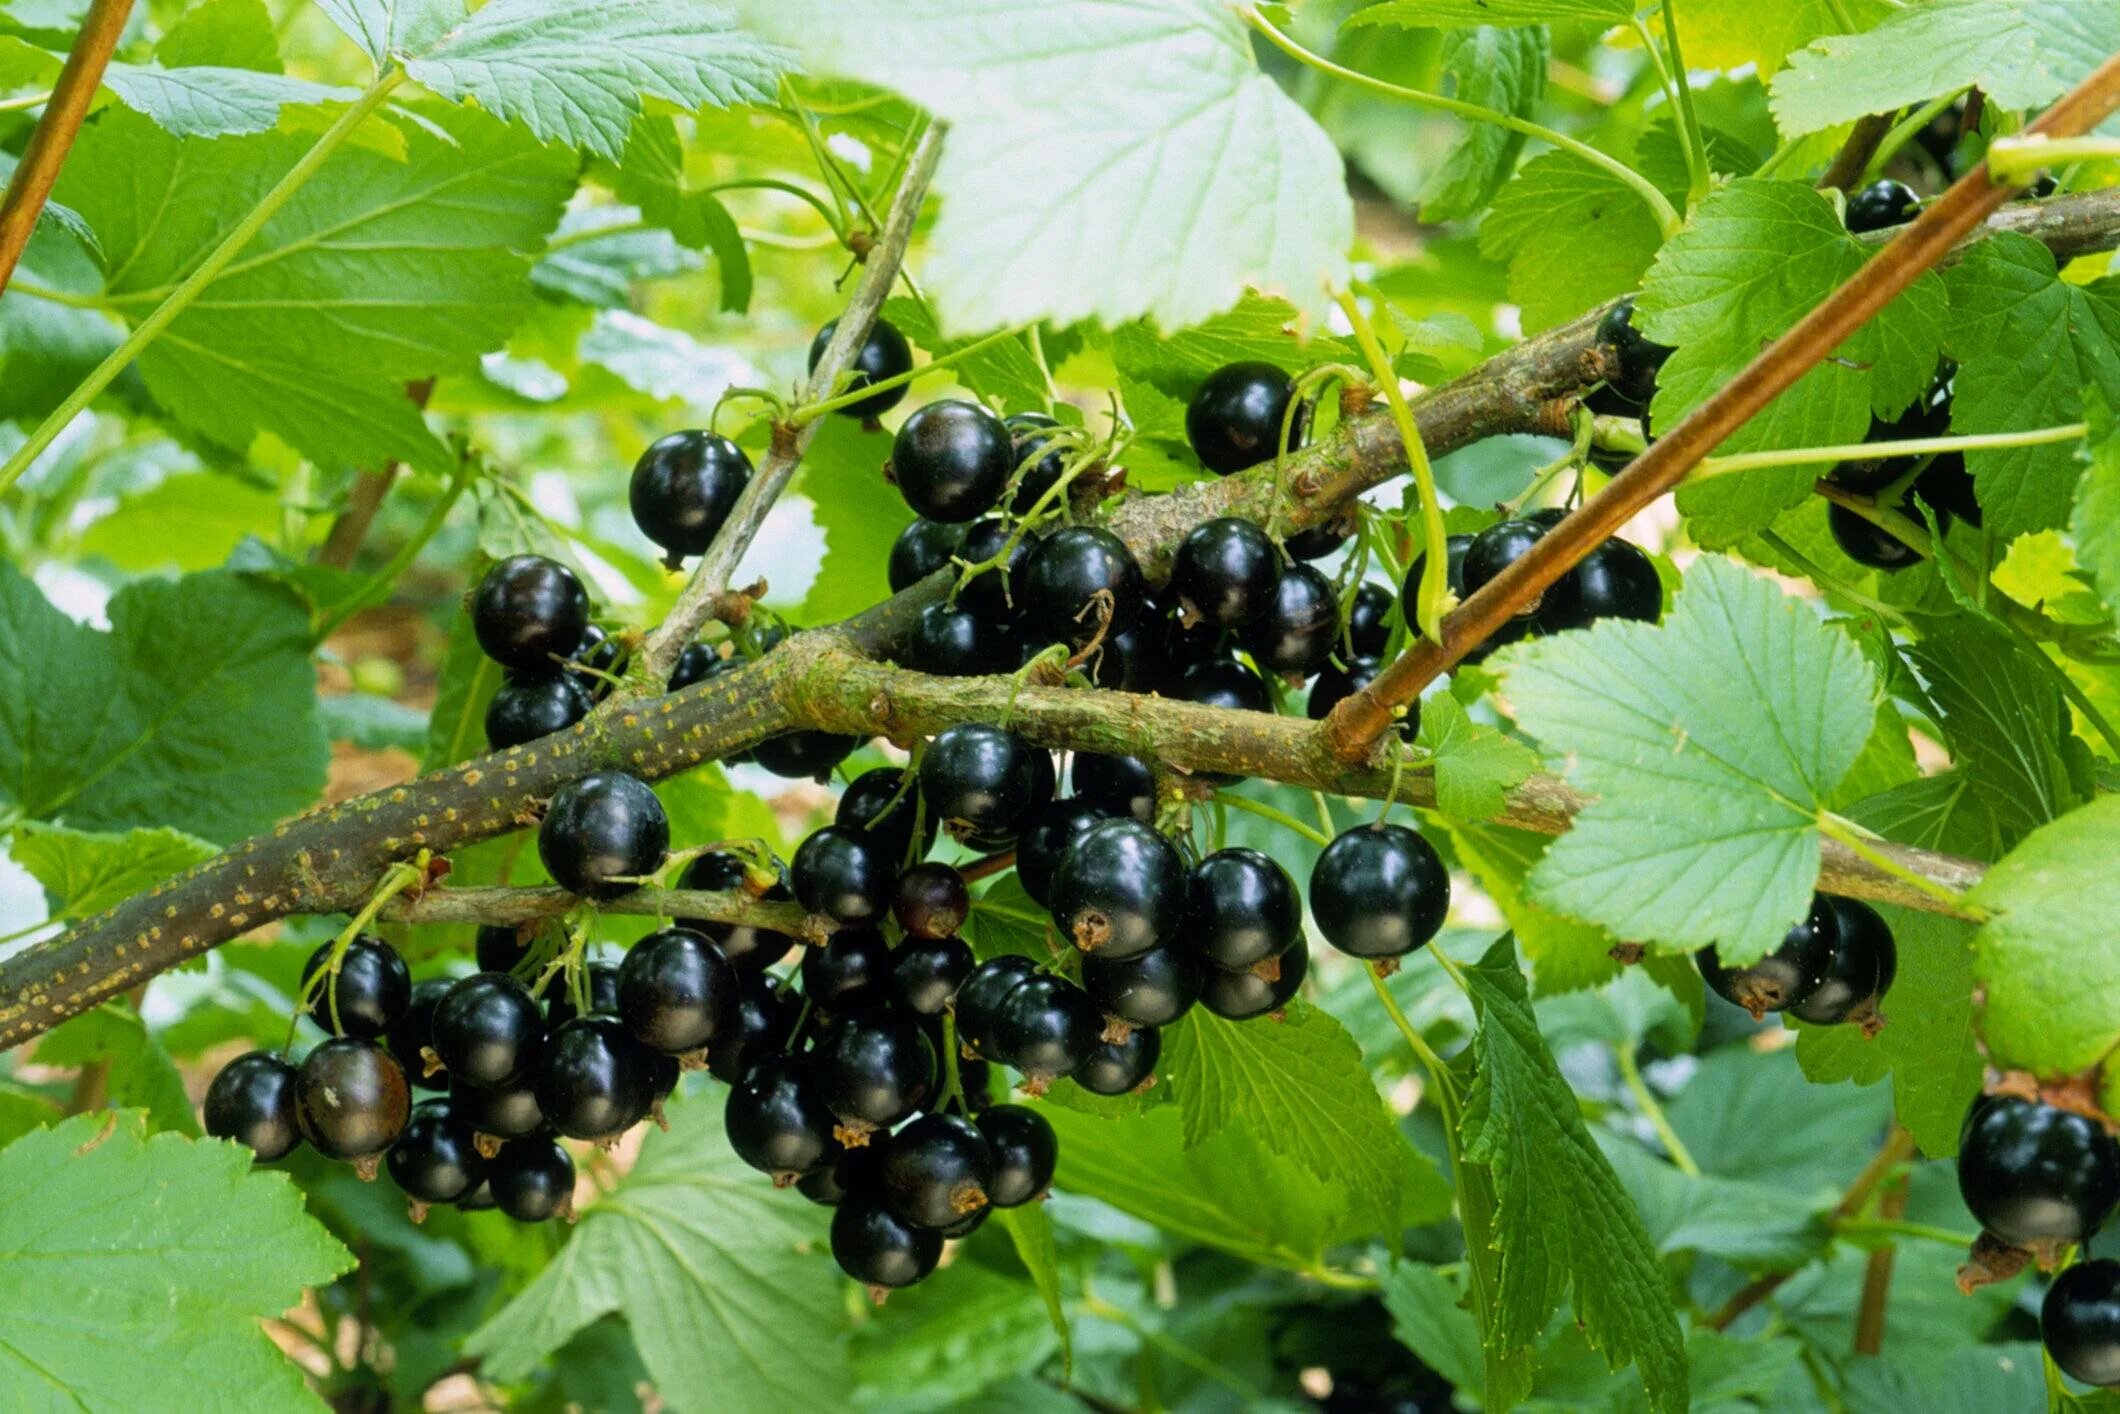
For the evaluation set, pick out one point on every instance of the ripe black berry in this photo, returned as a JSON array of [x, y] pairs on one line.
[[487, 1029], [1949, 488], [532, 1180], [1119, 891], [597, 650], [1336, 683], [594, 1081], [932, 901], [855, 1171], [1784, 977], [957, 643], [372, 989], [503, 947], [683, 489], [602, 834], [1234, 420], [749, 948], [2030, 1172], [935, 1171], [1867, 543], [505, 1111], [1928, 416], [877, 1249], [529, 614], [1632, 388], [699, 662], [351, 1099], [875, 1068], [1297, 632], [252, 1101], [436, 1159], [524, 709], [1240, 909], [777, 1124], [1046, 1028], [979, 779], [884, 354], [2079, 1321], [1881, 204], [1614, 581], [1031, 435], [1153, 989], [1860, 971], [1026, 1151], [951, 460], [1122, 1066], [848, 972], [1368, 619], [994, 594], [980, 998], [843, 874], [599, 981], [1495, 549], [920, 549], [803, 755], [1319, 540], [676, 991], [765, 1018], [1079, 582], [926, 973], [1379, 891], [1258, 990], [1227, 684], [1225, 573], [1120, 786], [1052, 831], [414, 1030]]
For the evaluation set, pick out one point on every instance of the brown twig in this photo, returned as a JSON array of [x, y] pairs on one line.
[[350, 528], [1854, 156], [1877, 1276], [1354, 726], [48, 146], [528, 905]]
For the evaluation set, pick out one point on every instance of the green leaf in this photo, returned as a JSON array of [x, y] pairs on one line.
[[47, 348], [237, 34], [1562, 1220], [1573, 235], [578, 74], [377, 272], [1502, 69], [2049, 959], [1974, 1379], [1157, 172], [185, 523], [1756, 1227], [945, 1344], [85, 873], [1942, 811], [601, 270], [204, 100], [1030, 1228], [860, 513], [139, 1072], [2021, 53], [1475, 766], [1005, 919], [2096, 524], [372, 723], [1565, 955], [125, 1259], [725, 1282], [2028, 344], [1710, 744], [1727, 34], [651, 175], [1429, 1318], [388, 28], [1004, 372], [196, 711], [456, 728], [23, 65], [1453, 13]]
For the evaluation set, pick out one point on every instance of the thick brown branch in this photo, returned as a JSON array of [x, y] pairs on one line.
[[495, 905], [32, 183]]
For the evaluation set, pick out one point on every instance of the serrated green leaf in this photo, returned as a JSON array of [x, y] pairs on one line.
[[1710, 744], [732, 1300], [171, 1251], [1727, 34], [184, 523], [1565, 954], [1004, 372], [934, 1347], [1819, 1137], [1158, 173], [1475, 766], [1975, 1379], [1562, 1221], [1005, 919], [1502, 69], [601, 270], [210, 101], [84, 873], [651, 175], [1573, 234], [2021, 53], [1756, 1227], [1030, 1229], [138, 1072], [47, 348], [388, 28], [236, 34], [1443, 14], [24, 65], [1429, 1318], [2096, 523], [1942, 811], [860, 513], [2049, 958]]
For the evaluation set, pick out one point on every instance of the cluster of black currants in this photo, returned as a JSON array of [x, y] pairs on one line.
[[1940, 482], [1833, 967], [531, 615]]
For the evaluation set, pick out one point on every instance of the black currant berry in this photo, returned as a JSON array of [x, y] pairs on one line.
[[1051, 832], [699, 662], [252, 1101], [413, 1031], [597, 650], [848, 972], [932, 901], [1297, 632], [876, 1249], [1784, 977], [2079, 1321], [1078, 583], [1234, 420], [922, 548], [1225, 573], [1949, 489], [683, 489], [777, 1124], [1881, 204], [503, 947], [1336, 684], [954, 642], [1032, 434], [602, 834], [1379, 891], [765, 1019], [676, 991], [529, 614], [599, 982], [1867, 543], [2034, 1173], [1368, 619], [524, 709], [532, 1180], [1122, 1066], [1227, 684], [487, 1029], [803, 755], [1119, 891], [1046, 1027], [884, 354], [980, 999], [749, 948], [1026, 1151], [885, 805], [436, 1159], [1632, 387], [1496, 548], [594, 1081], [844, 874], [371, 991], [994, 594], [1617, 580], [951, 460], [856, 1172], [1122, 787], [1153, 989], [1928, 416], [1454, 548], [875, 1068], [1241, 908], [936, 1171], [351, 1099], [926, 973], [1260, 989], [504, 1112], [1319, 540], [1860, 972], [980, 779]]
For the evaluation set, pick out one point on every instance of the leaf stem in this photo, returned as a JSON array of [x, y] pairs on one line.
[[1435, 583], [1630, 1072], [1279, 817], [1438, 1069], [1899, 1227], [2018, 159], [1905, 447], [1689, 119], [27, 100], [817, 203], [810, 412]]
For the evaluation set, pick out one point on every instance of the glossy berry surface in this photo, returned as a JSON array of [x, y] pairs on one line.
[[602, 833], [1297, 632], [776, 1123], [1338, 682], [1615, 581], [413, 1031], [1046, 1027], [1496, 548], [676, 991], [1867, 543], [994, 594], [1241, 908], [926, 973], [877, 1249], [1318, 541], [599, 983], [1031, 431], [921, 548], [2079, 1322], [505, 1112], [957, 643], [503, 947], [2030, 1172], [935, 1171], [371, 991], [875, 1068], [529, 614], [351, 1099], [1860, 971], [1154, 988], [487, 1029], [848, 972], [980, 998], [1227, 684], [436, 1159], [1123, 1066], [1368, 619], [951, 460], [765, 1018], [532, 1179], [979, 779], [884, 354], [1079, 581], [1119, 891], [1234, 419], [1052, 831], [1633, 387], [1785, 976], [683, 489], [699, 662], [594, 1081], [843, 874], [524, 709], [748, 948], [1948, 487], [932, 901], [1880, 204], [1026, 1151], [882, 804], [855, 1171], [1123, 787], [1379, 891], [252, 1101], [803, 755], [1258, 990], [1225, 573]]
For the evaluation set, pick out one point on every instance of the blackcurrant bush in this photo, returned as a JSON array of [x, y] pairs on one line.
[[884, 354], [1052, 831], [1080, 582], [954, 642], [2079, 1321], [1046, 1027], [1880, 204], [1867, 543], [922, 548], [436, 1158], [1234, 420], [926, 973], [1122, 1066], [1336, 684], [951, 460], [529, 614], [1241, 908], [1154, 988], [1026, 1151], [524, 709], [1784, 977], [2031, 1172], [980, 998], [1297, 632], [1227, 684], [683, 489], [676, 991], [372, 989], [351, 1099], [1119, 890], [503, 947], [1032, 434], [599, 981], [1368, 619], [1119, 786], [1614, 581], [777, 1124], [848, 972], [602, 834], [594, 1081], [876, 1249], [413, 1031], [532, 1180], [979, 779], [875, 1068], [803, 755], [1319, 540], [844, 874], [765, 1019], [1225, 573], [504, 1112], [252, 1101], [1379, 891], [749, 948], [1260, 989], [1949, 489], [487, 1029], [1858, 974], [936, 1170], [994, 594], [1632, 388], [932, 901]]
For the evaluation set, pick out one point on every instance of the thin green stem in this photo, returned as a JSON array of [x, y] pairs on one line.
[[1871, 451], [72, 301], [1695, 142], [952, 1079], [810, 412], [398, 563], [1820, 576], [194, 284], [1435, 584], [28, 100], [2017, 159], [817, 203], [399, 878], [1279, 817], [1896, 1227], [1833, 827], [1904, 131], [1630, 1071], [1667, 216], [1045, 372], [1438, 1069]]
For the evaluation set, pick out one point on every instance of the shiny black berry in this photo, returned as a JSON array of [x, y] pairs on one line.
[[954, 642], [1617, 580], [1339, 682], [532, 1180], [1260, 989], [594, 1081], [932, 901], [1319, 540], [371, 990], [1297, 632], [1227, 684], [884, 354], [1032, 434], [926, 973], [1026, 1151], [487, 1029], [994, 594], [1122, 1066], [844, 874], [776, 1122], [602, 834], [980, 779], [856, 1172], [1496, 548], [921, 548], [1867, 543], [765, 1019], [1928, 416], [529, 614], [1786, 976], [699, 662], [1053, 829], [600, 986], [951, 460], [936, 1170], [524, 709], [878, 1250], [1880, 204], [676, 991], [848, 972], [436, 1158], [1225, 573], [1119, 891], [980, 999], [1632, 387], [2031, 1172], [351, 1099], [505, 1112], [875, 1068], [749, 948], [1949, 489], [2079, 1322], [803, 755], [252, 1101], [413, 1031], [1368, 619], [1860, 971], [1379, 891], [885, 805], [1241, 908], [683, 489], [1046, 1027], [503, 947], [1234, 420], [1122, 787], [1152, 989], [1080, 581]]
